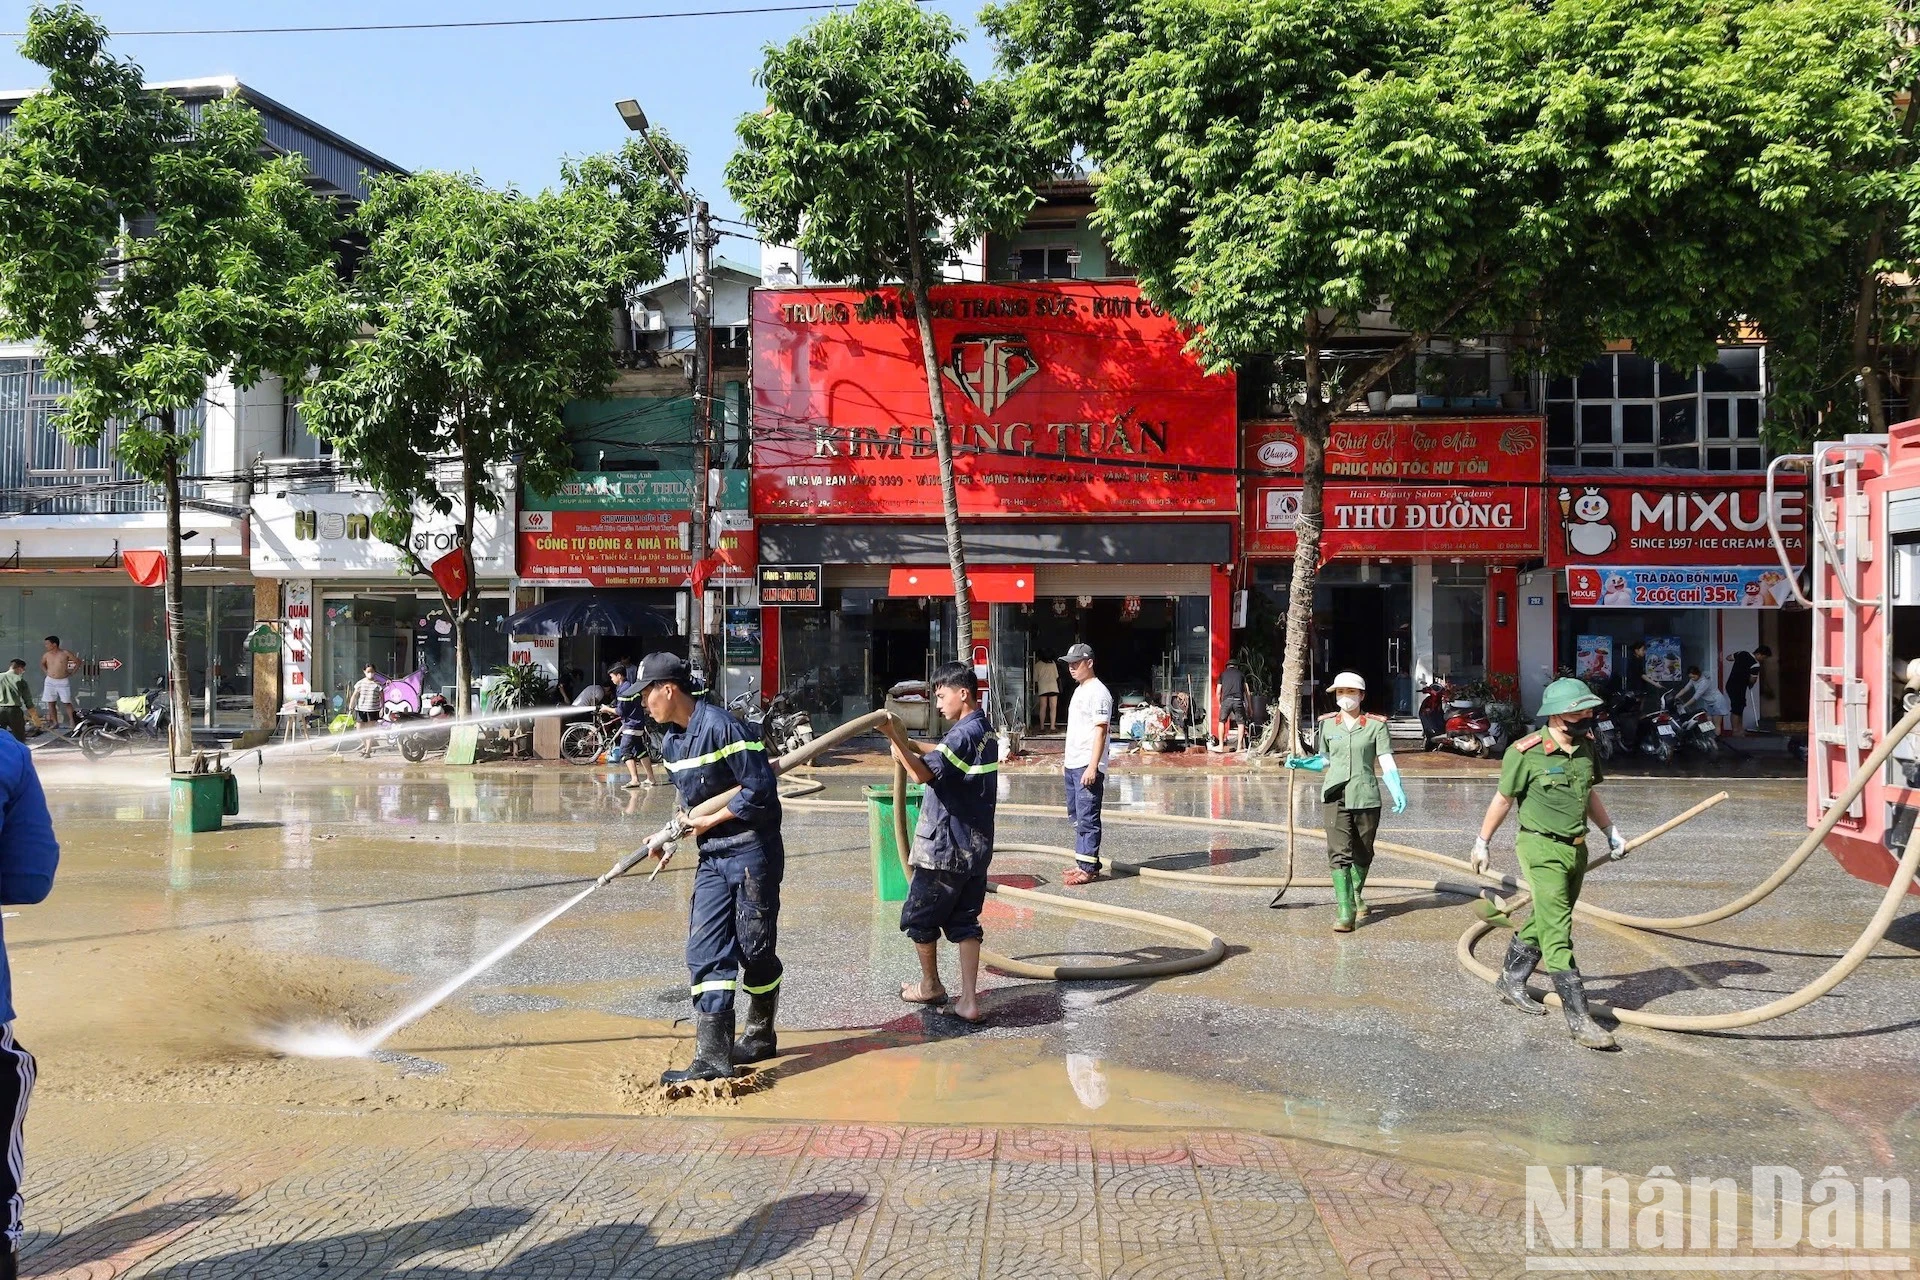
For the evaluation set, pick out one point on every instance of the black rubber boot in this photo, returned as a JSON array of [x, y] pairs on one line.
[[9, 1263], [757, 1043], [712, 1050], [1512, 986], [1573, 1002]]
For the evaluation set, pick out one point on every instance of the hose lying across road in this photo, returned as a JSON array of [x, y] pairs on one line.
[[1470, 885]]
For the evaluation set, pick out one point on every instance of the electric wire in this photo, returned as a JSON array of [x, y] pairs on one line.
[[474, 24]]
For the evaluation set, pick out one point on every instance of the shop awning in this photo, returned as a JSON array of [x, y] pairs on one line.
[[989, 584]]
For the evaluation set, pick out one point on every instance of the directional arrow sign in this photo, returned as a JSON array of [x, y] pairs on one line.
[[110, 664]]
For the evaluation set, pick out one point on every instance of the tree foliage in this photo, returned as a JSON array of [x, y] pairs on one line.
[[881, 158], [217, 256], [1562, 171], [482, 313]]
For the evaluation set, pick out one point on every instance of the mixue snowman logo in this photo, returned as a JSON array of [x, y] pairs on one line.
[[1584, 524]]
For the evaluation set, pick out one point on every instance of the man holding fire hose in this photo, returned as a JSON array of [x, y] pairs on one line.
[[735, 920]]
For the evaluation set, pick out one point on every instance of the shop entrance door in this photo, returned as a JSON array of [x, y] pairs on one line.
[[1356, 636]]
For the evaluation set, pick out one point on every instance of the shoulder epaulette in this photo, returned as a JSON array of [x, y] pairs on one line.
[[1529, 742], [1376, 719], [1330, 715]]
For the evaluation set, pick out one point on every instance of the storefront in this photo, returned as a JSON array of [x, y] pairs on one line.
[[1681, 560], [348, 601], [1094, 463], [623, 535], [1425, 524], [65, 576]]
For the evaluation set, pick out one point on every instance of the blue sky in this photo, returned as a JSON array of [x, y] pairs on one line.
[[506, 103]]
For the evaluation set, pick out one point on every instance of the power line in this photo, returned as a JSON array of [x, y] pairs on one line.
[[475, 24]]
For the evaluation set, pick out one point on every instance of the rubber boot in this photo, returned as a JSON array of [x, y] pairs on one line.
[[1512, 985], [1343, 899], [1360, 908], [9, 1263], [1573, 1003], [757, 1042], [712, 1050]]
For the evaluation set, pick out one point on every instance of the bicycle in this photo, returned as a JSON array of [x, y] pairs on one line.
[[586, 741]]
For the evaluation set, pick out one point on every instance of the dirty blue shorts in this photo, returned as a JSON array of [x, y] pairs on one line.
[[944, 901]]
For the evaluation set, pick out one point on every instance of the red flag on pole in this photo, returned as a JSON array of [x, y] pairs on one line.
[[450, 571], [146, 568]]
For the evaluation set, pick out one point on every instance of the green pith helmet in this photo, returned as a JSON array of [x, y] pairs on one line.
[[1565, 696]]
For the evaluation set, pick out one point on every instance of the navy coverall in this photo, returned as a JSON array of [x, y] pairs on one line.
[[736, 891]]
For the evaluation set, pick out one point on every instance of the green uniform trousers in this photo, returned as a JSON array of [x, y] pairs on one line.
[[1350, 834], [1554, 869]]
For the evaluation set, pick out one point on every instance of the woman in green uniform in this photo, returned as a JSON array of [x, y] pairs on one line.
[[1550, 778], [1348, 745]]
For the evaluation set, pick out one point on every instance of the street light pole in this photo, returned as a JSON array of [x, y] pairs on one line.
[[700, 372]]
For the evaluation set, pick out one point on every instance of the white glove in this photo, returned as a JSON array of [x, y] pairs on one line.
[[1482, 856], [1616, 843]]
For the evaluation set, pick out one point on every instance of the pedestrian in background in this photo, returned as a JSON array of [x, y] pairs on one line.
[[1743, 678], [953, 842], [29, 854], [1046, 693], [635, 744], [1701, 692], [57, 665], [1349, 745], [1089, 729], [364, 702], [1550, 778], [15, 699], [1231, 699]]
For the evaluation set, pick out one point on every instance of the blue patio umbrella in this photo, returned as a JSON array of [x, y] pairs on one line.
[[588, 613]]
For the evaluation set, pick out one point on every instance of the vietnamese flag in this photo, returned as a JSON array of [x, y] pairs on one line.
[[450, 572]]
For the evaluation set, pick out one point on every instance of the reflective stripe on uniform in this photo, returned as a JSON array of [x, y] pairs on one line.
[[971, 770], [752, 990], [718, 984], [714, 757]]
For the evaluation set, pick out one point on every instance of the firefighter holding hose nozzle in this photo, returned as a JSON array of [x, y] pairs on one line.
[[1549, 777], [735, 918]]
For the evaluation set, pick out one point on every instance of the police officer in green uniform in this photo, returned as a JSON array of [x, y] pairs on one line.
[[1348, 744], [1550, 778]]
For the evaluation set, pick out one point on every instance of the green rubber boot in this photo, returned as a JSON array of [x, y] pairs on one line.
[[1360, 908], [1343, 897]]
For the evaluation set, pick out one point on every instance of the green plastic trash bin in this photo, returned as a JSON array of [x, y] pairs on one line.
[[201, 799], [889, 877]]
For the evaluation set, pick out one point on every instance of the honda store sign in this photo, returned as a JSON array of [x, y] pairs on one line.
[[1069, 398], [1404, 488]]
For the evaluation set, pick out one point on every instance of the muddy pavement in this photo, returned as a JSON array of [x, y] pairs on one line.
[[147, 981]]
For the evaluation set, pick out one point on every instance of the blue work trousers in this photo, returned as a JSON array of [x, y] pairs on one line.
[[735, 924], [1083, 810]]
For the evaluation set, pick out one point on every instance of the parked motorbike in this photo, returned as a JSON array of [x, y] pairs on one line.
[[1698, 733], [105, 730], [1459, 724], [783, 726], [1658, 732], [1616, 725], [414, 744]]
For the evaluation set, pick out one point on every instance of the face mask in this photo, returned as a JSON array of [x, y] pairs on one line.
[[1581, 728], [1348, 703]]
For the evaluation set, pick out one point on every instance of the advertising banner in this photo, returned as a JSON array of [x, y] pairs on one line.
[[790, 586], [634, 491], [1593, 659], [330, 535], [1505, 450], [1403, 520], [614, 549], [1628, 587], [1064, 397], [1691, 520]]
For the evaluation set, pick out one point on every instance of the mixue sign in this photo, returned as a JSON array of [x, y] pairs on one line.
[[1404, 520], [1673, 520], [1063, 397]]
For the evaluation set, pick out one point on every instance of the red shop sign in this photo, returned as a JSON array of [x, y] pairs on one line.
[[1063, 397], [1402, 519], [614, 549], [1433, 452], [1672, 520]]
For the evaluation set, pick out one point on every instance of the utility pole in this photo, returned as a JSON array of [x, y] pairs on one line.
[[702, 371], [700, 377]]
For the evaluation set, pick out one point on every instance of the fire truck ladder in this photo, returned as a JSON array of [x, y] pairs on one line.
[[1842, 549]]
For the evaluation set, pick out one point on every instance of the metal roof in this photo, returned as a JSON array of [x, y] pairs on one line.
[[338, 165]]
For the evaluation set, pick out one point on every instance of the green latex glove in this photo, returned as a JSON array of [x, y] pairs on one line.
[[1316, 764]]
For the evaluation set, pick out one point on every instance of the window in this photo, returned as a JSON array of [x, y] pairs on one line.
[[43, 472], [1625, 411], [1044, 262]]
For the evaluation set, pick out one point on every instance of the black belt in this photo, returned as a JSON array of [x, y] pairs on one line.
[[1547, 835]]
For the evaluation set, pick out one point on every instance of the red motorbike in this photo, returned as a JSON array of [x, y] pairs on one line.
[[1458, 724]]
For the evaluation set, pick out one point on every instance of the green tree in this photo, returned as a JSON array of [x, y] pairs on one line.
[[146, 250], [881, 158], [1566, 171], [482, 313]]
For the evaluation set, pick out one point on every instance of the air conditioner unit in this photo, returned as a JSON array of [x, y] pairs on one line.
[[647, 320]]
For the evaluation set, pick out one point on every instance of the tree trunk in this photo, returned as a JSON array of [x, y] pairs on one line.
[[1866, 362], [179, 710], [462, 672], [918, 293], [1312, 420]]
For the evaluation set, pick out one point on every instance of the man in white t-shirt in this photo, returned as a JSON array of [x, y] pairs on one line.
[[1089, 719]]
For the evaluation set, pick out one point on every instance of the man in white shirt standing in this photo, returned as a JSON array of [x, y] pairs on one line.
[[1089, 719]]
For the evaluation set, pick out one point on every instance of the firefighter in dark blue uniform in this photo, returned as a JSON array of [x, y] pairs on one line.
[[736, 890]]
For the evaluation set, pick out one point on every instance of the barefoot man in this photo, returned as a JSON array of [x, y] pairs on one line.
[[58, 666]]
